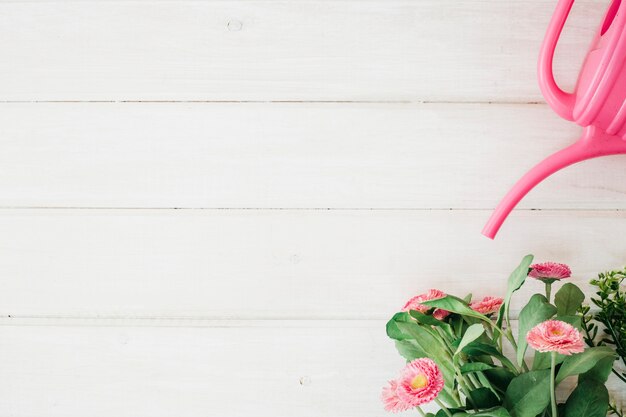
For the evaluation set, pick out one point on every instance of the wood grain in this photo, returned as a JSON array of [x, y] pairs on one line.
[[291, 156], [278, 263], [275, 368], [305, 225], [383, 50]]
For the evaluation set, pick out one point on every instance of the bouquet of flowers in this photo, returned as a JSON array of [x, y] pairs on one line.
[[464, 355]]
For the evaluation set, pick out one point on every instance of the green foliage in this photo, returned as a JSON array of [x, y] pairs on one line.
[[542, 360], [455, 305], [514, 283], [536, 311], [475, 367], [600, 371], [471, 334], [483, 397], [500, 378], [589, 399], [528, 394], [583, 362], [568, 300], [481, 380], [607, 327]]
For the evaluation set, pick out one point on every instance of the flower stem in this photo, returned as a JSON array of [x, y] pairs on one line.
[[552, 389], [443, 407], [422, 413], [548, 290], [509, 336], [463, 385]]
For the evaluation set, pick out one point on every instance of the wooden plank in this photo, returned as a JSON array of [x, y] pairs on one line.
[[308, 369], [383, 50], [278, 263], [290, 156], [266, 369]]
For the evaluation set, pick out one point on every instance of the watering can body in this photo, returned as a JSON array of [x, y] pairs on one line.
[[598, 103]]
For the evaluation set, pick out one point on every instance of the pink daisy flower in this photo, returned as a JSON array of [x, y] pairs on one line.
[[415, 303], [420, 382], [487, 305], [555, 336], [391, 400], [549, 271]]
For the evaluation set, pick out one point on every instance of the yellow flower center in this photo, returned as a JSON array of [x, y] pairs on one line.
[[556, 332], [420, 381]]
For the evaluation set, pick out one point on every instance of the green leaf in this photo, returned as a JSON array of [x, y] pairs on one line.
[[431, 321], [458, 325], [484, 398], [493, 412], [421, 343], [568, 299], [484, 381], [536, 311], [542, 360], [392, 326], [456, 412], [575, 321], [528, 394], [500, 378], [475, 367], [410, 350], [455, 305], [516, 280], [584, 361], [589, 399], [477, 349], [472, 333], [600, 372]]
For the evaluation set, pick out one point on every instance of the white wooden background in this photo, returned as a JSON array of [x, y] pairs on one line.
[[210, 208]]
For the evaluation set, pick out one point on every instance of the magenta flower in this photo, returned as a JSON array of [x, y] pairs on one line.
[[415, 303], [420, 382], [555, 336], [391, 400], [549, 271], [487, 305]]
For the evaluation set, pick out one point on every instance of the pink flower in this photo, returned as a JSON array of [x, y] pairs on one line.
[[555, 336], [390, 398], [487, 305], [440, 314], [549, 271], [415, 303], [420, 382]]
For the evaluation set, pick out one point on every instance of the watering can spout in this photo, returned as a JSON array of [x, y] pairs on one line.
[[594, 143]]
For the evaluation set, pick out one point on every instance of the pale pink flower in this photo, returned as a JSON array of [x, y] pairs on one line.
[[420, 382], [390, 398], [549, 271], [555, 336], [415, 303], [487, 305]]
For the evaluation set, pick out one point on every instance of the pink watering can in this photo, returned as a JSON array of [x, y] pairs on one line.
[[598, 103]]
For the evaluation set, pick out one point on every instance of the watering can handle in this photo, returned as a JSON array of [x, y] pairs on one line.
[[559, 100]]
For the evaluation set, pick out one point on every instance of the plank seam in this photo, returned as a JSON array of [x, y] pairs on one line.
[[418, 209]]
